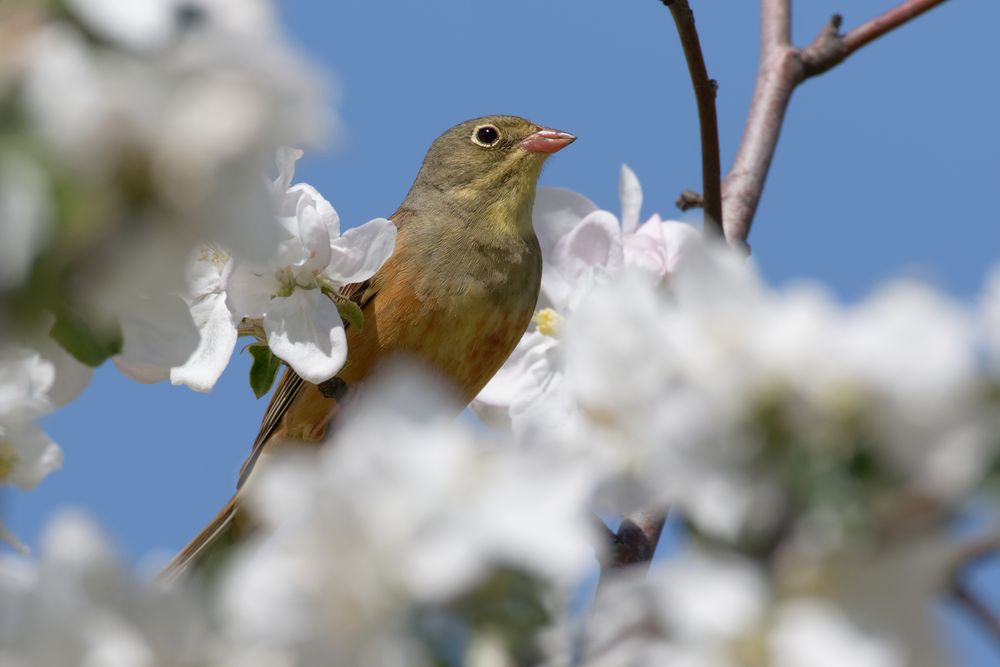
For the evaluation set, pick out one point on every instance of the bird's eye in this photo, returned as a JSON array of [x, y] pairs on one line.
[[486, 135]]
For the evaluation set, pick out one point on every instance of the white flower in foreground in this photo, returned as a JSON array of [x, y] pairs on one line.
[[207, 275], [689, 611], [289, 293], [150, 25], [404, 509], [25, 217], [79, 607], [814, 633], [32, 383], [26, 454], [582, 247], [678, 392]]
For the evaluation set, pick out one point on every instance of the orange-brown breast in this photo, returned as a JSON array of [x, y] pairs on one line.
[[459, 325]]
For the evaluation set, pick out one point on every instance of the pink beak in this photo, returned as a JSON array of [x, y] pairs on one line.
[[547, 141]]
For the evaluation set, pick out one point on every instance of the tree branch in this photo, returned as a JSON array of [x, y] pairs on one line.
[[704, 92], [635, 542], [963, 594], [782, 68]]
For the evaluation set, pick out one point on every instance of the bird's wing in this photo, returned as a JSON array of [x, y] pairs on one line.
[[291, 386]]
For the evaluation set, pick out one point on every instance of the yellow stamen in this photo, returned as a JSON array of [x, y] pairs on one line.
[[548, 322]]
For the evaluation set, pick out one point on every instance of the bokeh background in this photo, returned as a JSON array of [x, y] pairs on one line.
[[887, 165]]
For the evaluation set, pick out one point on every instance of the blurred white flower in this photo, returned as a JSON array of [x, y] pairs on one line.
[[32, 383], [656, 245], [25, 212], [290, 292], [207, 275], [150, 25], [406, 508], [196, 123], [689, 611], [676, 392], [582, 247], [27, 454], [814, 633], [79, 607]]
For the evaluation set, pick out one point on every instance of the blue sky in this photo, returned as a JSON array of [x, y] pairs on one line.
[[887, 165]]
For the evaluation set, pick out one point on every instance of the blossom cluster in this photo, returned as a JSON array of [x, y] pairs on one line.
[[136, 217], [813, 452]]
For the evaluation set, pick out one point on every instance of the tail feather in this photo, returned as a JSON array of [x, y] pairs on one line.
[[209, 547]]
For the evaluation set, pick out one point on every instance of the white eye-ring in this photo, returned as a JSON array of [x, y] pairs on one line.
[[486, 136]]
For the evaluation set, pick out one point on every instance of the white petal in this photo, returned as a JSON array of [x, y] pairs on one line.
[[207, 271], [305, 330], [29, 452], [515, 376], [630, 193], [557, 211], [314, 234], [158, 331], [249, 289], [25, 382], [593, 248], [140, 372], [217, 328], [309, 197], [361, 251], [657, 246], [143, 25], [24, 218], [285, 158], [71, 377]]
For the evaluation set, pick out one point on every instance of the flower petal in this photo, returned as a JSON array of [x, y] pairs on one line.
[[315, 236], [361, 251], [306, 332], [593, 248], [285, 158], [630, 193], [249, 289], [515, 377], [557, 211], [218, 340], [158, 331], [29, 452]]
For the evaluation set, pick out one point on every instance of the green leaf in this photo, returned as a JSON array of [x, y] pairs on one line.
[[264, 369], [350, 312], [88, 345]]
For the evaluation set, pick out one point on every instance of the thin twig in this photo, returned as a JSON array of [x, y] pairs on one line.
[[704, 92], [689, 199], [782, 68], [963, 594], [635, 542]]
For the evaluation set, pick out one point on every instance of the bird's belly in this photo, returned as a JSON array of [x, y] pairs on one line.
[[465, 337]]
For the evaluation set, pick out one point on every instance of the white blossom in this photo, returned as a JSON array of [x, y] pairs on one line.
[[290, 292], [813, 633], [582, 247], [405, 509], [78, 606], [25, 212]]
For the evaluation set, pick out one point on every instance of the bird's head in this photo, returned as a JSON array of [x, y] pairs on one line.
[[489, 164]]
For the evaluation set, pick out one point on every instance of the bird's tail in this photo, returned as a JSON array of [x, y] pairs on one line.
[[211, 546]]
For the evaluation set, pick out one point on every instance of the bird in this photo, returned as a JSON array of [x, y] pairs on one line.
[[457, 293]]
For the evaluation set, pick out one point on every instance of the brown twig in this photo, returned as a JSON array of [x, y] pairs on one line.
[[689, 199], [704, 92], [782, 68], [635, 542]]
